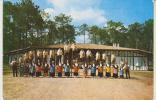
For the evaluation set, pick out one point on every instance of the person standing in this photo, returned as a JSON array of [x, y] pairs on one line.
[[14, 66], [112, 70], [59, 70], [76, 69], [32, 69], [67, 70], [121, 73], [100, 71], [52, 69], [108, 71], [38, 69], [127, 70], [85, 70], [21, 69], [115, 71], [46, 69], [93, 70], [26, 69]]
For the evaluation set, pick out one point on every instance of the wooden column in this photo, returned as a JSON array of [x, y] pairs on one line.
[[133, 60], [130, 58], [110, 58], [127, 57], [148, 61]]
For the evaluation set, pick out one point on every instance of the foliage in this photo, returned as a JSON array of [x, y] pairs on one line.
[[136, 35], [25, 24]]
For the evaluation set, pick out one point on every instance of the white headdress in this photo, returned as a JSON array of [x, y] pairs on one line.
[[97, 55], [104, 56], [51, 53], [113, 58], [59, 52], [88, 53], [39, 53], [82, 53]]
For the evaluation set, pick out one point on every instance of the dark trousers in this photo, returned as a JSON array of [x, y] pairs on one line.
[[15, 73], [32, 74], [38, 74], [21, 72], [127, 74]]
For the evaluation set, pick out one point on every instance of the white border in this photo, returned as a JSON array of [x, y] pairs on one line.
[[1, 49], [154, 61]]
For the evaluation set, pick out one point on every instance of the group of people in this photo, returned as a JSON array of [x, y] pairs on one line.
[[51, 69]]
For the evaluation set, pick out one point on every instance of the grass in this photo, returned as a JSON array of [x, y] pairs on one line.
[[148, 74], [6, 69]]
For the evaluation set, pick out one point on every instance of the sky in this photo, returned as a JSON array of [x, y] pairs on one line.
[[98, 12]]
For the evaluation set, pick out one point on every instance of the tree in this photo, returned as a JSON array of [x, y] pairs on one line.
[[66, 31], [116, 32], [25, 25], [93, 33], [10, 38], [135, 32], [83, 29], [53, 32], [98, 35], [147, 38], [103, 36], [29, 21]]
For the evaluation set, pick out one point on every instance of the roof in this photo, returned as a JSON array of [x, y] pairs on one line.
[[79, 46]]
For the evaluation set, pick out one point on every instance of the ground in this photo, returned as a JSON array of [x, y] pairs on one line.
[[139, 87]]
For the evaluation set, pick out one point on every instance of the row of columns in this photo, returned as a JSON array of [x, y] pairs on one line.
[[69, 56]]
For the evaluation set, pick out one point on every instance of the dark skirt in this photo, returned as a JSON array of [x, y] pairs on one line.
[[108, 74], [67, 73], [100, 74], [59, 74], [115, 75], [52, 74], [75, 73]]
